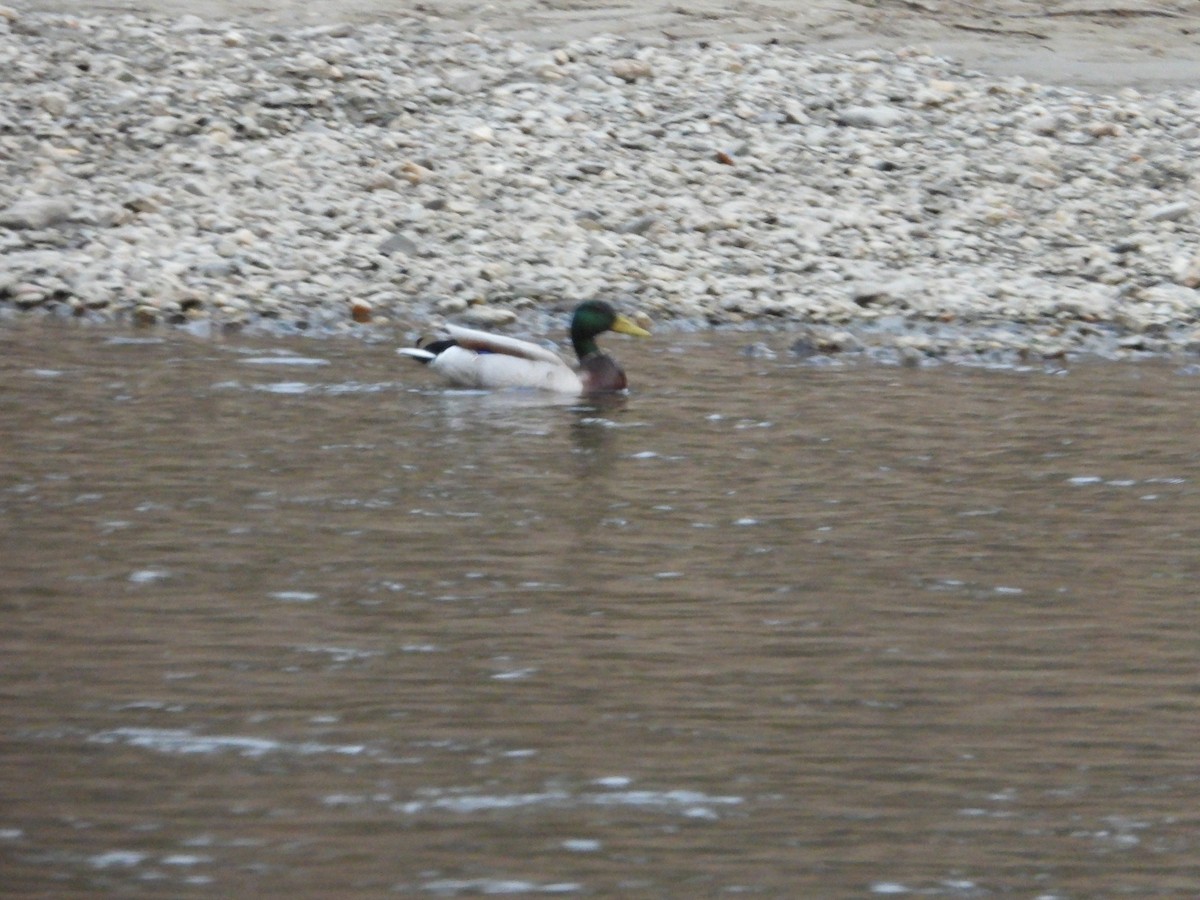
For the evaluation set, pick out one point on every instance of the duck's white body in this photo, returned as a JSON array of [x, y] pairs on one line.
[[479, 359], [485, 360]]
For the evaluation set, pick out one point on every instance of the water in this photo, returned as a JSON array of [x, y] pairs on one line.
[[293, 618]]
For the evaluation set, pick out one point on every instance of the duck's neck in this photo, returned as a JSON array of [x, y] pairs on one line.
[[584, 344]]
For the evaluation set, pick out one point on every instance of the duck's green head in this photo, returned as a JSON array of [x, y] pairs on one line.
[[593, 317]]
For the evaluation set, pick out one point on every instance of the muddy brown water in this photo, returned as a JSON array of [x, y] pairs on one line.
[[293, 619]]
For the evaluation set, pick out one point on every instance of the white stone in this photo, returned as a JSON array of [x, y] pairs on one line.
[[1169, 212], [36, 213], [872, 116]]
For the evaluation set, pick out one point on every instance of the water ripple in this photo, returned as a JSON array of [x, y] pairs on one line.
[[450, 886], [692, 804], [284, 361], [181, 741]]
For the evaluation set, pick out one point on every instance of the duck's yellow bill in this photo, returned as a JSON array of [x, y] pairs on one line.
[[626, 325]]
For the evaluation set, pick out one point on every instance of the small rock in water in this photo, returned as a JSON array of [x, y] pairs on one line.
[[839, 342], [758, 350], [803, 347]]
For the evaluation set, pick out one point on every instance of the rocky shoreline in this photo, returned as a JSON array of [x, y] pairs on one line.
[[363, 178]]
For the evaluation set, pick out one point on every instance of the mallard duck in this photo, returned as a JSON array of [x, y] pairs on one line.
[[478, 359]]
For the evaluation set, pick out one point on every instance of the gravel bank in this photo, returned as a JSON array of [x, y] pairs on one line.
[[364, 177]]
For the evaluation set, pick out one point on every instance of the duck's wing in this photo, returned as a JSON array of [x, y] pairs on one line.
[[486, 342], [479, 359]]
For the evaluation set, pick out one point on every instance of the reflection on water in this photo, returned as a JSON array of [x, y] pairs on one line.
[[295, 618]]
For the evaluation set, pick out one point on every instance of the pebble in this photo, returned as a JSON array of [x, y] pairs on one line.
[[398, 243], [631, 70], [489, 316], [871, 116], [26, 296], [1169, 212], [201, 171], [35, 213]]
